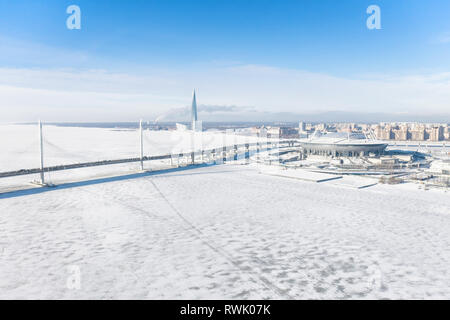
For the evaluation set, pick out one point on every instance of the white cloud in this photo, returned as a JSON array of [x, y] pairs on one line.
[[99, 95], [17, 50]]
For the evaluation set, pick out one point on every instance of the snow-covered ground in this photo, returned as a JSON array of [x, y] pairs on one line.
[[222, 231]]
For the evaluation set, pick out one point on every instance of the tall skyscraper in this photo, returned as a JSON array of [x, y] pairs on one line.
[[194, 112]]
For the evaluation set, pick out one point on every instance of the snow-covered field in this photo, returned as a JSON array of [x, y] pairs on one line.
[[222, 231]]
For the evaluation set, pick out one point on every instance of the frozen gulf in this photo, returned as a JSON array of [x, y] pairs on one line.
[[223, 232]]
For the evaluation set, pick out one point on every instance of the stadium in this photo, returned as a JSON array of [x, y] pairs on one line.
[[340, 144]]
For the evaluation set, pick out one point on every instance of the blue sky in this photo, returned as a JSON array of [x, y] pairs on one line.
[[175, 40]]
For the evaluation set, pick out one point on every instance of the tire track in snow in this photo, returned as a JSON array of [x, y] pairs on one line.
[[208, 242], [198, 235]]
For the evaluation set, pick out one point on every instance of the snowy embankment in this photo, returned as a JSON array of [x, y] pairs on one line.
[[224, 231]]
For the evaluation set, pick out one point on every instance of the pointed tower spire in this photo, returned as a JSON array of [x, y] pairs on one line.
[[194, 111]]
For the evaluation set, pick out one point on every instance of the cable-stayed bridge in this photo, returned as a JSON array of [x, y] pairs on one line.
[[208, 153], [216, 155]]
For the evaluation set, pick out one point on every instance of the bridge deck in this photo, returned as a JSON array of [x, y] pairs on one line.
[[262, 147]]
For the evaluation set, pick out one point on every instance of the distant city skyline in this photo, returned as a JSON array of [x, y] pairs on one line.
[[246, 59]]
